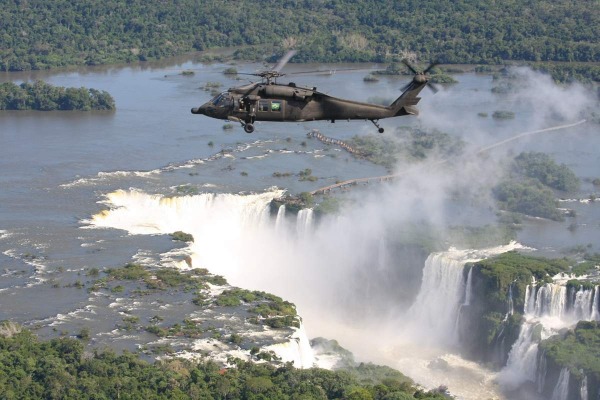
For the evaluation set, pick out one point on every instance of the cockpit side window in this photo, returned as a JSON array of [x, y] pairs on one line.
[[217, 99], [221, 100]]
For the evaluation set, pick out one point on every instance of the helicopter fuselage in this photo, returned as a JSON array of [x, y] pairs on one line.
[[278, 102]]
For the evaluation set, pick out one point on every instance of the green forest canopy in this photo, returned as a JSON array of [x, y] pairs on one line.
[[39, 34], [59, 369], [46, 97]]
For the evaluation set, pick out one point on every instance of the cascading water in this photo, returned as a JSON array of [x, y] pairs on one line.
[[280, 220], [304, 222], [326, 271], [595, 304], [469, 288], [541, 372], [522, 358], [511, 303], [297, 350], [561, 390], [436, 308], [583, 390], [548, 308], [444, 290], [561, 306], [230, 232]]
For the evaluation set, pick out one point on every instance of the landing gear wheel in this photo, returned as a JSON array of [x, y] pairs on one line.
[[249, 128], [375, 122]]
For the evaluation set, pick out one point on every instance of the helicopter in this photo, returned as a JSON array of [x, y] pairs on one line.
[[271, 101]]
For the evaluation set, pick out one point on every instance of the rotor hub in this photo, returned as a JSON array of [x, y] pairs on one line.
[[421, 78]]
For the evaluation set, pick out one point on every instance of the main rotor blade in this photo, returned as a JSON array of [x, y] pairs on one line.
[[284, 60], [433, 87], [334, 71], [405, 62], [431, 66], [405, 87]]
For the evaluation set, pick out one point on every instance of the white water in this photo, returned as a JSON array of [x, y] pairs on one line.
[[234, 236], [280, 220], [522, 359], [595, 304], [583, 391], [558, 307], [548, 309], [304, 222], [511, 303], [436, 308], [561, 390], [433, 316], [469, 288], [297, 350]]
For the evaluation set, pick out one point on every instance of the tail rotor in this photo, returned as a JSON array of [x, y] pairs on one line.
[[421, 77]]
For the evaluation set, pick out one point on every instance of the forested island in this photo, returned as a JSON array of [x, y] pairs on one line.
[[43, 96], [41, 35], [531, 184]]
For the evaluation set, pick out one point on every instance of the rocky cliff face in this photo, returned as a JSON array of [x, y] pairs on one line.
[[535, 323]]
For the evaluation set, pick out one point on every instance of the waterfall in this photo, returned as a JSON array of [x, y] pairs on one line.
[[443, 291], [583, 304], [469, 288], [548, 308], [522, 358], [436, 307], [542, 370], [230, 231], [142, 213], [529, 303], [304, 222], [565, 307], [595, 313], [583, 391], [561, 390], [296, 350], [511, 303], [280, 220], [551, 300]]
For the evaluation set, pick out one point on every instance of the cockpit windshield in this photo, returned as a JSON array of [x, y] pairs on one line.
[[221, 100]]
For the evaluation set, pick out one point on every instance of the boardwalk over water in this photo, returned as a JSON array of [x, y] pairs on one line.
[[385, 178]]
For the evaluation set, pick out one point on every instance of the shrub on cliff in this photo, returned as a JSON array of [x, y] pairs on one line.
[[578, 350]]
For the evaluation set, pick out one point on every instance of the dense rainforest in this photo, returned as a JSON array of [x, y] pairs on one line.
[[39, 34], [59, 369]]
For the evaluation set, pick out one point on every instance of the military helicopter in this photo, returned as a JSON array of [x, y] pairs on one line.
[[270, 101]]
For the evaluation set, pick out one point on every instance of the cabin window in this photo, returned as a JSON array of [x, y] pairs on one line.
[[263, 105], [276, 106]]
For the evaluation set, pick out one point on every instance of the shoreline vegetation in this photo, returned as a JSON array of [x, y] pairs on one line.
[[60, 33], [43, 96]]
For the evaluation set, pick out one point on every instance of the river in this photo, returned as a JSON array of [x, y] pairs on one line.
[[57, 169]]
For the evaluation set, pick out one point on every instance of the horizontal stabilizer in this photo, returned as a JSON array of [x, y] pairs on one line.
[[411, 110]]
